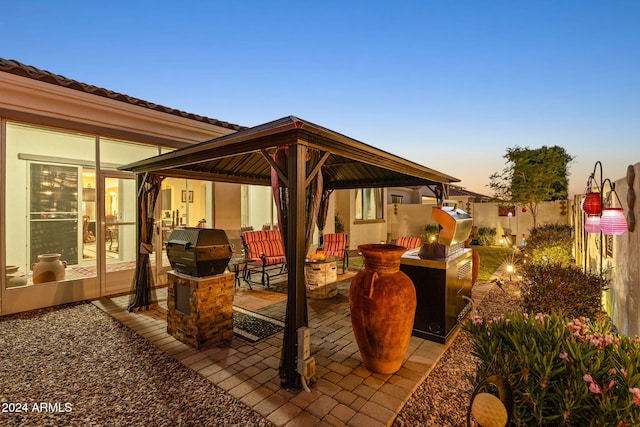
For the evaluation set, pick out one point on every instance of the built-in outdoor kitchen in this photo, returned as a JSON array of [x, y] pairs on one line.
[[200, 290], [441, 274]]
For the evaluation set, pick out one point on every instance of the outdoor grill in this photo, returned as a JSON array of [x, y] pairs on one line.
[[198, 251], [441, 274]]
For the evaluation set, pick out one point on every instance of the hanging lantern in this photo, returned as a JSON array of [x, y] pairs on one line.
[[592, 225], [591, 204], [613, 221]]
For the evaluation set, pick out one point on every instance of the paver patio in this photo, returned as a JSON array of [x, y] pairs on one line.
[[346, 393]]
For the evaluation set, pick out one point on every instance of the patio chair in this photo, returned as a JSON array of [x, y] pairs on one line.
[[335, 244], [265, 255], [409, 242]]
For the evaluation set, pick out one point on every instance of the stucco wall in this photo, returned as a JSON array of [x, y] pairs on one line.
[[625, 271], [359, 232], [409, 220]]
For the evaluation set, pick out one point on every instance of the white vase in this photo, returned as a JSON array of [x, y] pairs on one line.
[[49, 268]]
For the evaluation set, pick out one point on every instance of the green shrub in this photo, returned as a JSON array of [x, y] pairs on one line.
[[487, 236], [562, 373], [339, 224], [549, 287], [431, 232], [550, 243]]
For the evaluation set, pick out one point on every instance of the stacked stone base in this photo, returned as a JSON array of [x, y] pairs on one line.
[[200, 309]]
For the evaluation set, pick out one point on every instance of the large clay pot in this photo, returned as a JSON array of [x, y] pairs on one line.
[[13, 277], [382, 301], [49, 268]]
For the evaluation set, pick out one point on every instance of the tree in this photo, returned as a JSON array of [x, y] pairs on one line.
[[532, 176]]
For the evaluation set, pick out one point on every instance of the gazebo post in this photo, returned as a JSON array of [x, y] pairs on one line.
[[296, 314]]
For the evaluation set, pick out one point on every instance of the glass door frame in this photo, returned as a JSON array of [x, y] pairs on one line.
[[101, 177]]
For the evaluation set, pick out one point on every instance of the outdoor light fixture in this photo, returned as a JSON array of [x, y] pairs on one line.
[[592, 204], [604, 221], [592, 224], [613, 221]]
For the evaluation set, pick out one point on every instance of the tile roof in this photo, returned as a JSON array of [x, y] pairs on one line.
[[17, 68], [460, 191]]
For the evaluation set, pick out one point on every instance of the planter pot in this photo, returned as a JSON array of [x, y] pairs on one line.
[[382, 302], [13, 277], [49, 268]]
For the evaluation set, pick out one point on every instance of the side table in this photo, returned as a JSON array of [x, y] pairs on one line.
[[239, 265]]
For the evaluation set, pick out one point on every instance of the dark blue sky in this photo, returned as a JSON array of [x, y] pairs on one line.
[[448, 84]]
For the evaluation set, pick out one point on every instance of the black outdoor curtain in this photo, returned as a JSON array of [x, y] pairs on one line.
[[313, 193], [323, 211], [143, 293]]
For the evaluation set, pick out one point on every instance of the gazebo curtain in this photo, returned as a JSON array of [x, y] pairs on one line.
[[323, 211], [313, 193], [143, 293]]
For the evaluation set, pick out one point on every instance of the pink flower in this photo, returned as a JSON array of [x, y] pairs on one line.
[[594, 388], [636, 392], [588, 378], [477, 320], [564, 356], [612, 371]]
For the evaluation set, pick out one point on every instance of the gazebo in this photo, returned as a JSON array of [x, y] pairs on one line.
[[304, 163]]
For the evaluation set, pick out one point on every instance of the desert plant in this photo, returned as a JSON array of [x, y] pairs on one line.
[[562, 373], [487, 236], [551, 243], [548, 287], [430, 233]]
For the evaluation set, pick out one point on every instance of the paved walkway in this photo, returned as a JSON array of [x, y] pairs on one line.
[[346, 393]]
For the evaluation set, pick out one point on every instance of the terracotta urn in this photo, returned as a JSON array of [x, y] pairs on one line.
[[14, 277], [382, 302], [49, 268]]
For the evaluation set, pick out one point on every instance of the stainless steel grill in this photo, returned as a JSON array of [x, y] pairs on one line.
[[441, 274]]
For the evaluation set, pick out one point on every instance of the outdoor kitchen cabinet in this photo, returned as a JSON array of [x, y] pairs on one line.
[[441, 287]]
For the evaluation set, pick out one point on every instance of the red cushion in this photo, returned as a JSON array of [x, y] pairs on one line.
[[409, 242], [267, 243], [334, 244]]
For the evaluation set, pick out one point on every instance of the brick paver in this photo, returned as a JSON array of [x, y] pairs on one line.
[[345, 392]]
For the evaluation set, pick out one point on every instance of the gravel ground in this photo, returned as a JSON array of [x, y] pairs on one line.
[[443, 397], [74, 365]]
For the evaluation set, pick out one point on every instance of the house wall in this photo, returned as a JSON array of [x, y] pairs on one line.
[[358, 232], [624, 265], [69, 124], [409, 220], [486, 215]]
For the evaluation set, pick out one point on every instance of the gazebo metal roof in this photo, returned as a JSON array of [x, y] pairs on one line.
[[241, 158]]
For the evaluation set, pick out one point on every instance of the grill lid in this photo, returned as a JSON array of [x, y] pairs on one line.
[[456, 224]]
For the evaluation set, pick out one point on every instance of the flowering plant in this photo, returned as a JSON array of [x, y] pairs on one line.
[[562, 373]]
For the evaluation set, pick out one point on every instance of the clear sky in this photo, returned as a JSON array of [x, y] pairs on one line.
[[447, 84]]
